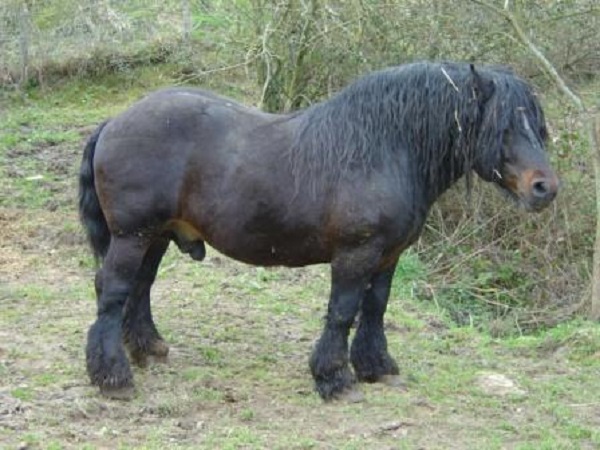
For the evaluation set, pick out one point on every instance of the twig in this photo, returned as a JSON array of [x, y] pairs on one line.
[[218, 69], [451, 81], [267, 58]]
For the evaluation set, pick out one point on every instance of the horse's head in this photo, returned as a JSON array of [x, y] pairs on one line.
[[524, 171], [511, 147]]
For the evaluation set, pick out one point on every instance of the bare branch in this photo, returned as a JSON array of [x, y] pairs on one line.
[[510, 18]]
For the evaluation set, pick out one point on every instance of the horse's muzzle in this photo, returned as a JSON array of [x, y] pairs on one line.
[[540, 190]]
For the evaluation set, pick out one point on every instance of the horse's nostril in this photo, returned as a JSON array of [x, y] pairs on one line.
[[543, 189], [539, 188]]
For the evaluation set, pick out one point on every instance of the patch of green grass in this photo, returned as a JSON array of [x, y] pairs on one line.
[[31, 438], [193, 373], [241, 436], [577, 432], [579, 339], [35, 293], [31, 191], [31, 139], [45, 379], [206, 394], [22, 393], [246, 415]]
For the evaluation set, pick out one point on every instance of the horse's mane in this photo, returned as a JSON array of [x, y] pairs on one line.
[[433, 112]]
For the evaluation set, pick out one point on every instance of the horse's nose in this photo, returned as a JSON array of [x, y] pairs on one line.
[[544, 189]]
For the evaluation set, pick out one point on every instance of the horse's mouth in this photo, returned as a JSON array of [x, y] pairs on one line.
[[535, 206], [529, 203]]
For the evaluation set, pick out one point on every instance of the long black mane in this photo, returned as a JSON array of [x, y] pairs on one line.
[[437, 114]]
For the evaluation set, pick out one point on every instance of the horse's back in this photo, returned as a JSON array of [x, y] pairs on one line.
[[173, 115]]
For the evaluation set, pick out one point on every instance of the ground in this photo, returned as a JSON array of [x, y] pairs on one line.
[[240, 337]]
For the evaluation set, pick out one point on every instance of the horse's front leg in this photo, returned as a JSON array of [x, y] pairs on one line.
[[329, 360], [369, 354], [107, 365]]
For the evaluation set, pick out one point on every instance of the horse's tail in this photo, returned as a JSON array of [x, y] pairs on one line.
[[90, 212]]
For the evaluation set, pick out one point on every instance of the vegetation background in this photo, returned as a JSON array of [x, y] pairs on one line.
[[484, 279]]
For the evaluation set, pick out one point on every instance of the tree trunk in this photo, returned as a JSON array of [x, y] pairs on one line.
[[24, 39], [593, 126], [186, 16]]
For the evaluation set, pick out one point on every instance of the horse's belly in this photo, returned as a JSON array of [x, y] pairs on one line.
[[262, 251], [258, 229]]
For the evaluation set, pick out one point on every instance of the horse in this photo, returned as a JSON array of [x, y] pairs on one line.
[[348, 181]]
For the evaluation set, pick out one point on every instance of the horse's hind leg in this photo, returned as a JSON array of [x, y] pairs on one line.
[[107, 365], [140, 335], [369, 354]]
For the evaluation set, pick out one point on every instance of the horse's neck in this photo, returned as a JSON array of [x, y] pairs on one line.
[[440, 176]]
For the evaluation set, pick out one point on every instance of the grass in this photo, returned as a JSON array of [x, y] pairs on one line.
[[240, 336]]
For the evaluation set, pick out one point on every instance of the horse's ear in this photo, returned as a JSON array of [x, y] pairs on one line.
[[483, 87]]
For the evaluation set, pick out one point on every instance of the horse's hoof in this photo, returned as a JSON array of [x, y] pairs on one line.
[[394, 381], [160, 359], [160, 350], [349, 395], [157, 351], [123, 393], [139, 358]]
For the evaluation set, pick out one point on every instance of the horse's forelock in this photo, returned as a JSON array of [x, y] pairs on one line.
[[513, 101]]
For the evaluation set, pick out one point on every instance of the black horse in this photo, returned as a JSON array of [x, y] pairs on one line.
[[348, 181]]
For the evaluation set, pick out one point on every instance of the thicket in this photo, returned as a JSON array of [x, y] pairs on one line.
[[480, 259]]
